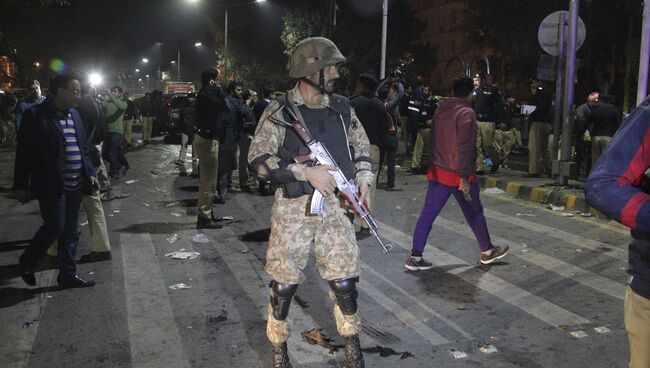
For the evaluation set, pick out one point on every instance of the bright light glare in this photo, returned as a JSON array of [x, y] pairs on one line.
[[137, 70], [173, 61], [139, 79], [198, 44], [260, 1], [145, 60], [147, 75], [192, 1], [95, 79]]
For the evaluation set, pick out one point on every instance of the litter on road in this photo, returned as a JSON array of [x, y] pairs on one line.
[[84, 223], [602, 330], [494, 190], [567, 214], [177, 214], [179, 286], [579, 334], [457, 354], [172, 239], [488, 349], [130, 181], [200, 239], [556, 208], [182, 254]]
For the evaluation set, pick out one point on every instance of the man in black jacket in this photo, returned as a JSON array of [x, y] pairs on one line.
[[373, 116], [539, 156], [211, 104], [232, 123], [602, 123], [52, 161]]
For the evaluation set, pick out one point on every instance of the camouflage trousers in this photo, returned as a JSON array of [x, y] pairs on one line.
[[293, 231]]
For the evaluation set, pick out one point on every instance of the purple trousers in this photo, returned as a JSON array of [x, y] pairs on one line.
[[437, 196]]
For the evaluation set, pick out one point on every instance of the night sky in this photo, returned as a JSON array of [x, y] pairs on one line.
[[108, 36]]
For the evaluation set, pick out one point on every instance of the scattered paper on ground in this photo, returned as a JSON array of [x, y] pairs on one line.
[[526, 214], [488, 349], [567, 214], [579, 334], [556, 208], [602, 330], [585, 214], [458, 354], [182, 254], [130, 181], [179, 286], [494, 190], [200, 239], [177, 214], [172, 239]]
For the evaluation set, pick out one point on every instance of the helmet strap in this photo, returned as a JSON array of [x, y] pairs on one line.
[[321, 83]]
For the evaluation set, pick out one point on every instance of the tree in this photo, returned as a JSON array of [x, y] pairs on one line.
[[302, 22]]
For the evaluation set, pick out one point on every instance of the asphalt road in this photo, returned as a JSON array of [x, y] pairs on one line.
[[565, 276]]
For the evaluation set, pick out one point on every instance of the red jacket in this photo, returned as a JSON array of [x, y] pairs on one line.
[[453, 137]]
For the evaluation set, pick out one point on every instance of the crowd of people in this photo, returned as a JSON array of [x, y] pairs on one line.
[[72, 149]]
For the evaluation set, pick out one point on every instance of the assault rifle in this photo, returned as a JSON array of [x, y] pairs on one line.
[[319, 155]]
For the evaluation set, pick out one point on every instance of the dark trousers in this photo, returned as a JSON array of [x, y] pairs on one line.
[[388, 151], [115, 154], [412, 127], [437, 196], [60, 222]]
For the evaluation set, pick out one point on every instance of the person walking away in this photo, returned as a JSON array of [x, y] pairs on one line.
[[453, 172], [53, 163], [331, 120], [618, 186]]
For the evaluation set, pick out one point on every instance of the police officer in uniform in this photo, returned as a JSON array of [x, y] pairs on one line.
[[486, 101], [424, 107], [331, 120]]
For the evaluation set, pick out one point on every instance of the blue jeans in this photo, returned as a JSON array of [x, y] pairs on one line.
[[60, 222], [115, 155]]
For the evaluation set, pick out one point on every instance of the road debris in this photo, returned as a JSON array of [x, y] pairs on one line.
[[84, 223], [487, 349], [200, 239], [316, 337], [172, 239], [177, 214], [567, 214], [183, 254], [579, 334], [457, 354], [130, 181], [28, 324], [494, 190], [179, 286], [556, 208], [602, 330]]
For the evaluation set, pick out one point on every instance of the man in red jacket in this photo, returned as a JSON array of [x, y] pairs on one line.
[[453, 171]]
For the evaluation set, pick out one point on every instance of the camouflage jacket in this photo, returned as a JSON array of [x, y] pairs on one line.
[[269, 137]]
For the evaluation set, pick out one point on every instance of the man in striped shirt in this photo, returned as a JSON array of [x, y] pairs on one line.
[[53, 163]]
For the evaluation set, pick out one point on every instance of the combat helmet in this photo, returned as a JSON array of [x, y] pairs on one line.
[[312, 55]]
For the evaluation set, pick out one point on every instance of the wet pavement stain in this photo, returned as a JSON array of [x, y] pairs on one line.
[[386, 352], [256, 236], [157, 227]]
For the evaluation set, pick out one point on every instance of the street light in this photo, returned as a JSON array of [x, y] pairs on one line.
[[145, 60], [225, 42], [178, 57]]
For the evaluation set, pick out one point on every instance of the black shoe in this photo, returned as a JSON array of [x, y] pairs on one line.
[[280, 356], [202, 223], [353, 354], [69, 282], [218, 200], [26, 271], [480, 172], [96, 257], [194, 175], [363, 233], [123, 171], [393, 189], [245, 188]]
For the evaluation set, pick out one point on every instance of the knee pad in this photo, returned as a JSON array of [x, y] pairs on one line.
[[281, 295], [346, 294]]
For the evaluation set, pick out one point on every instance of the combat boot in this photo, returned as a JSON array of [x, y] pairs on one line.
[[353, 354], [280, 356]]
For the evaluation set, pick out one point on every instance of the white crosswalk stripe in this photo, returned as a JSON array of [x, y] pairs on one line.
[[153, 333], [508, 292]]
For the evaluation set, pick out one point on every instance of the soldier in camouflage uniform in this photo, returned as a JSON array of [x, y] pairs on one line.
[[330, 119]]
